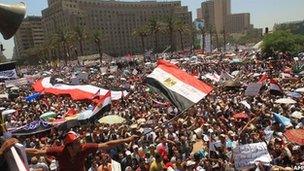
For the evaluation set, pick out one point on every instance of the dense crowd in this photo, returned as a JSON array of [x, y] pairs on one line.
[[171, 144]]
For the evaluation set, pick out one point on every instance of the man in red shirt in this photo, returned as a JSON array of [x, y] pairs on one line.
[[71, 156]]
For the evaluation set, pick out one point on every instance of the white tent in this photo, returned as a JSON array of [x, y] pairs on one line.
[[258, 45]]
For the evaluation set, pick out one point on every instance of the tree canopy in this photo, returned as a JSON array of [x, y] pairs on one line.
[[282, 41]]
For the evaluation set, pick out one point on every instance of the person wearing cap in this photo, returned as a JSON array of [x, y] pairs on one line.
[[71, 156]]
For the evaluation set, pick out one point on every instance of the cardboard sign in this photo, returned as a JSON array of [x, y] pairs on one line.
[[253, 89], [246, 155]]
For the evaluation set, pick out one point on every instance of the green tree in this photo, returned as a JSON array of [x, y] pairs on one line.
[[155, 26], [97, 37], [80, 35], [169, 27], [282, 41], [142, 32], [181, 28], [63, 38]]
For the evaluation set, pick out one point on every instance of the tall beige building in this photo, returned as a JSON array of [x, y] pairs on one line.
[[217, 14], [238, 23], [116, 19], [29, 35]]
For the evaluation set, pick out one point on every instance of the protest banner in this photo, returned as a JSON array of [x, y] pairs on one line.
[[246, 155], [16, 82], [115, 166]]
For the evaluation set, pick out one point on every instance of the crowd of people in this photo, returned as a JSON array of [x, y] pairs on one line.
[[163, 143]]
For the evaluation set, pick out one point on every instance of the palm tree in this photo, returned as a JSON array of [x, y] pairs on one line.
[[154, 28], [170, 24], [97, 36], [80, 35], [181, 27], [63, 38], [142, 32]]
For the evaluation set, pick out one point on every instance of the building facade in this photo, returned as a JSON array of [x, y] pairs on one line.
[[217, 15], [117, 20], [238, 23], [29, 35]]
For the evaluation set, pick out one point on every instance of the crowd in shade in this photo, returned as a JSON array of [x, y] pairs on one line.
[[236, 126]]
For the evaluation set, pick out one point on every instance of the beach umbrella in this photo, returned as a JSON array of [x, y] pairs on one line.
[[71, 117], [8, 112], [285, 101], [48, 115], [301, 90], [295, 136], [112, 119], [297, 114]]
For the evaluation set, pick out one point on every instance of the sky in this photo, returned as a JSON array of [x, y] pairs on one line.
[[264, 13]]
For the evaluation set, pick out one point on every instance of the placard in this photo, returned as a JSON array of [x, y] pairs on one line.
[[253, 89], [246, 155]]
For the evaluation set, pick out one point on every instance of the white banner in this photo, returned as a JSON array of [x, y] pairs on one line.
[[17, 82], [246, 155], [208, 43], [115, 166], [8, 74]]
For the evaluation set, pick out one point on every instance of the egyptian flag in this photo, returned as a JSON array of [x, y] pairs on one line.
[[102, 107], [275, 88], [182, 89], [96, 95], [77, 92], [263, 79]]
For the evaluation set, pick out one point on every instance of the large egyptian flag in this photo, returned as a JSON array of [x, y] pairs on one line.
[[77, 92], [102, 107], [182, 89]]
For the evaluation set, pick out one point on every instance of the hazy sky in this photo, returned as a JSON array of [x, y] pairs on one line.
[[264, 13]]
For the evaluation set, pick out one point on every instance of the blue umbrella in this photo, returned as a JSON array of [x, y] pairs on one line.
[[32, 97], [282, 120], [294, 94]]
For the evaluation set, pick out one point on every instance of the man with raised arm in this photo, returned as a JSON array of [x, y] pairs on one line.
[[71, 156]]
